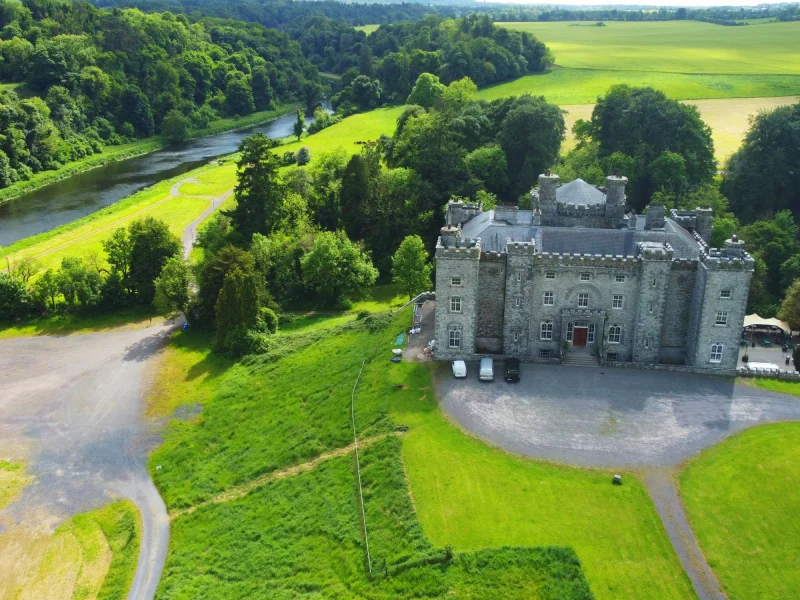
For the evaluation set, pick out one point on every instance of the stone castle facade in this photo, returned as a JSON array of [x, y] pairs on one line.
[[578, 274]]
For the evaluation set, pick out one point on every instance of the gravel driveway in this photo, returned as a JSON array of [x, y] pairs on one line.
[[607, 417], [72, 407]]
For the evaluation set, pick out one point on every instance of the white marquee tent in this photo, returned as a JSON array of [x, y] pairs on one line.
[[755, 320]]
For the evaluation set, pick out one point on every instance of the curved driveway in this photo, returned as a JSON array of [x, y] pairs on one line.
[[608, 417], [73, 407]]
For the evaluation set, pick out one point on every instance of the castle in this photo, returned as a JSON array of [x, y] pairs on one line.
[[579, 275]]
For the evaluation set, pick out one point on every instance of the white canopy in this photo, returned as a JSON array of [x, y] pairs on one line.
[[754, 319]]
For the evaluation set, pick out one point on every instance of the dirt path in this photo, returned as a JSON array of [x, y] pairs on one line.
[[191, 230], [72, 408], [661, 486], [242, 490]]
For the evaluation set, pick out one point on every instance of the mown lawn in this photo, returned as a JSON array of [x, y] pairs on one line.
[[92, 555], [473, 496], [742, 502], [366, 28], [67, 324], [671, 46], [12, 480], [773, 385]]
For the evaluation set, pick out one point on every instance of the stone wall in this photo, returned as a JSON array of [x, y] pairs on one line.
[[461, 263], [677, 311], [518, 299], [651, 304], [491, 303]]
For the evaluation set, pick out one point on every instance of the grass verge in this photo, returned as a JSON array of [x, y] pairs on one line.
[[742, 503], [12, 480], [68, 324], [773, 385]]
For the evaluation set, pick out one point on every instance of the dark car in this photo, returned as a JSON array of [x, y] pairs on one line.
[[512, 369]]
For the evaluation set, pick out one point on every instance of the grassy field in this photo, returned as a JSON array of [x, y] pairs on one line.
[[742, 502], [728, 119], [773, 385], [284, 409], [91, 556], [68, 324], [367, 28], [672, 47], [12, 480]]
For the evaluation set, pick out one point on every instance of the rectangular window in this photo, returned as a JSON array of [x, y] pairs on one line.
[[586, 276], [721, 318], [619, 278], [455, 338], [550, 275], [611, 357], [455, 304], [455, 281], [590, 334], [614, 334], [716, 353], [654, 283], [545, 353], [519, 276], [515, 336], [547, 330], [617, 302], [516, 302], [583, 300], [548, 299], [651, 307], [724, 294], [570, 329]]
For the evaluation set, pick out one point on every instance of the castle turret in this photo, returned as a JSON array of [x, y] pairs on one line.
[[654, 219], [548, 183], [615, 197], [704, 223], [656, 259]]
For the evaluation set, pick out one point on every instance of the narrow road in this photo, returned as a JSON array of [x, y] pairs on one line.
[[661, 486], [72, 407]]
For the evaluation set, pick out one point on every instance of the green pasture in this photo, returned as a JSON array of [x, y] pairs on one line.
[[671, 46], [742, 502], [67, 324], [367, 28]]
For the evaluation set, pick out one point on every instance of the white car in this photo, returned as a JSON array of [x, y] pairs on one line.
[[459, 369], [486, 372]]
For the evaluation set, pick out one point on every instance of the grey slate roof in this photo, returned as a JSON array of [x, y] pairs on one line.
[[579, 192]]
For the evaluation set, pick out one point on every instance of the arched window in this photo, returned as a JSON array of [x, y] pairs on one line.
[[716, 352], [455, 338], [590, 334], [546, 330], [569, 331], [614, 334]]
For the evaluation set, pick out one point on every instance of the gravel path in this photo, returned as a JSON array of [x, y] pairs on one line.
[[72, 407]]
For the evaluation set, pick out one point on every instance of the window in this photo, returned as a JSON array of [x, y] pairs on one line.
[[724, 294], [455, 281], [550, 275], [722, 318], [654, 282], [617, 302], [590, 334], [455, 338], [519, 276], [455, 304], [569, 331], [619, 278], [586, 276], [716, 353], [515, 336], [583, 300], [646, 342], [611, 357], [547, 299], [545, 353], [651, 308], [547, 330], [516, 302], [614, 334]]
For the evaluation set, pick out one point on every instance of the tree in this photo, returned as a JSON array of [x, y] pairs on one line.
[[336, 268], [135, 109], [790, 307], [259, 194], [530, 135], [212, 276], [15, 300], [459, 93], [299, 125], [26, 268], [175, 127], [410, 267], [78, 283], [489, 165], [46, 288], [303, 156], [239, 97], [427, 91], [172, 287], [762, 176], [237, 311], [152, 244]]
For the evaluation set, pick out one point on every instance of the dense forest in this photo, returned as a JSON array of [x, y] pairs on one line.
[[77, 78]]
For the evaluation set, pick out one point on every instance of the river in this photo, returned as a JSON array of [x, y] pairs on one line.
[[77, 196]]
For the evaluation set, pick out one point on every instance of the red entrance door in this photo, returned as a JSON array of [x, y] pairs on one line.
[[579, 336]]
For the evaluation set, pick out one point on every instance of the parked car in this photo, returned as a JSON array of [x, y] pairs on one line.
[[459, 369], [512, 370], [486, 372]]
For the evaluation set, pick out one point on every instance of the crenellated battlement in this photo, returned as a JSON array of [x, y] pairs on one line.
[[520, 248], [654, 250], [580, 210], [461, 248]]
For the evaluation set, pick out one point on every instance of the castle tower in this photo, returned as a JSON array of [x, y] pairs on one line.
[[615, 198], [517, 335], [705, 223], [548, 183], [656, 259]]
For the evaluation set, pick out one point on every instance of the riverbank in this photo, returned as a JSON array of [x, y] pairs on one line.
[[135, 149]]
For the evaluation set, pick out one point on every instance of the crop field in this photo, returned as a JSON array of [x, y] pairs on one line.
[[741, 500], [91, 556], [672, 46]]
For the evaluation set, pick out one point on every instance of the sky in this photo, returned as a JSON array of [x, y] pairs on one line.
[[688, 3]]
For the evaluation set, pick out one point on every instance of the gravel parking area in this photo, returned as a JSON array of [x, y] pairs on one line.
[[606, 416]]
